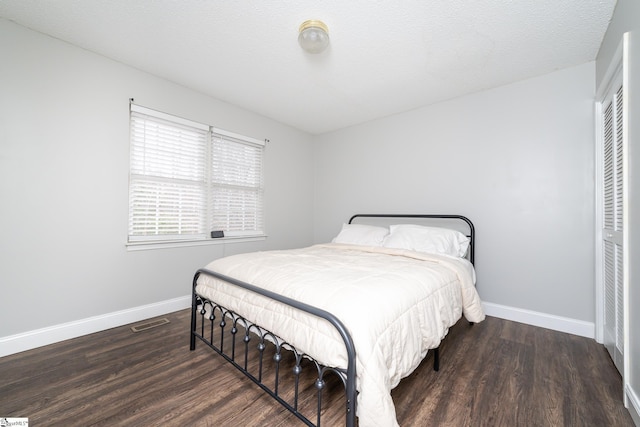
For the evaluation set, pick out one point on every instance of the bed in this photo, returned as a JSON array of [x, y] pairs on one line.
[[366, 307]]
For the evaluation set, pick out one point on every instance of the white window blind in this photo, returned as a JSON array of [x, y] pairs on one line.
[[237, 184], [186, 180]]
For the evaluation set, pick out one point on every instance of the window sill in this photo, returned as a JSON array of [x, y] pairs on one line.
[[146, 246]]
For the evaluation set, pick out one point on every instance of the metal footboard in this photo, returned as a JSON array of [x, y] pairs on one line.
[[229, 335]]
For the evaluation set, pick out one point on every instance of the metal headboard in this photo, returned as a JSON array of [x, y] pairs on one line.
[[459, 218]]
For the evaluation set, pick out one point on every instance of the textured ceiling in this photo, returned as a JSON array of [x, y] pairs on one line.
[[385, 57]]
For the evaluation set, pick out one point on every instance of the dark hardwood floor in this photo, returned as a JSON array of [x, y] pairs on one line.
[[495, 373]]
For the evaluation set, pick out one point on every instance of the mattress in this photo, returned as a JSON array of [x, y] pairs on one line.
[[396, 305]]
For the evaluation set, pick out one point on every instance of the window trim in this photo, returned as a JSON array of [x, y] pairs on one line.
[[135, 243], [170, 244]]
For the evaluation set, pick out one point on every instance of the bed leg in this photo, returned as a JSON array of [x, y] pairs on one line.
[[192, 341], [194, 308], [436, 359]]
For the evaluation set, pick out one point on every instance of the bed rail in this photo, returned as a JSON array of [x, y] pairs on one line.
[[201, 306]]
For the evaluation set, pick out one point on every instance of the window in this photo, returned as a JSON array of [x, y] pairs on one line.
[[188, 179]]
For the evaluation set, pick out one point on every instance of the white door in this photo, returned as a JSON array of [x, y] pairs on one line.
[[613, 158]]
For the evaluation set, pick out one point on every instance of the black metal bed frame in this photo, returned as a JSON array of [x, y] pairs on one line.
[[199, 306], [205, 310]]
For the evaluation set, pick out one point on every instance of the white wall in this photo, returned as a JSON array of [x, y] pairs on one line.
[[517, 160], [64, 158], [626, 17], [523, 173]]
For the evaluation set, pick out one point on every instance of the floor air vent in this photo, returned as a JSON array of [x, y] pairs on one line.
[[150, 324]]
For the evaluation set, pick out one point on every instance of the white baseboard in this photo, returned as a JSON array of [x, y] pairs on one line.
[[634, 404], [544, 320], [40, 337], [25, 341]]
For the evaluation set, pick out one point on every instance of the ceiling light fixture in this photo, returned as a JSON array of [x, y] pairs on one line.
[[314, 36]]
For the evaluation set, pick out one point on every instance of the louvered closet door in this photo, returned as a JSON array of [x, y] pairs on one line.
[[613, 158]]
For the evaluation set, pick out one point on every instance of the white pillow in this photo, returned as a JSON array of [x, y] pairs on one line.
[[361, 234], [433, 240]]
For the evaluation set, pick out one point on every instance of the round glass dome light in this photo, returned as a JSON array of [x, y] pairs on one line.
[[314, 36]]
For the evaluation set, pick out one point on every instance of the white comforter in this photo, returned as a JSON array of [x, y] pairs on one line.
[[396, 304]]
